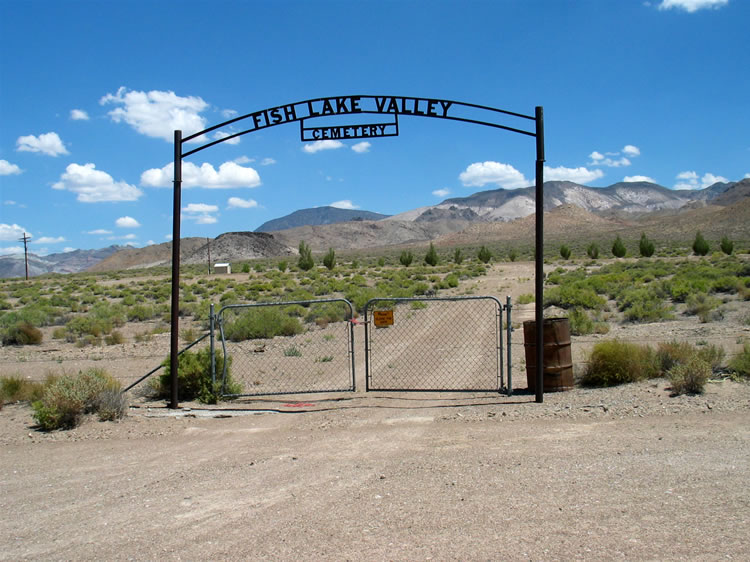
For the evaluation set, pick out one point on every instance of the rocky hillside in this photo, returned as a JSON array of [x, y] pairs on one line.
[[65, 262], [318, 216]]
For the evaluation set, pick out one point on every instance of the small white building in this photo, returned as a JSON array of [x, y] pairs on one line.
[[222, 268]]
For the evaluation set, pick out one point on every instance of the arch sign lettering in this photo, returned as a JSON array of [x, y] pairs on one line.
[[366, 117]]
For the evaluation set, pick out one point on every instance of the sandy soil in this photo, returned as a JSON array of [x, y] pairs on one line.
[[630, 472]]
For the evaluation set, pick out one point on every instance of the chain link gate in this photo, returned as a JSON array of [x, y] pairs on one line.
[[288, 347], [434, 344]]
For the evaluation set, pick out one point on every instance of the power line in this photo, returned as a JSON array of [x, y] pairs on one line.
[[25, 239]]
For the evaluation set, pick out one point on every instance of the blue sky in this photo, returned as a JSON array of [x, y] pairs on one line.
[[90, 93]]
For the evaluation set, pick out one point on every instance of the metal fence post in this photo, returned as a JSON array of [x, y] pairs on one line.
[[211, 340], [509, 330], [499, 309]]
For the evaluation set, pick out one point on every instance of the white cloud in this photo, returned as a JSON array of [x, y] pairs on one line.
[[317, 146], [95, 186], [49, 240], [99, 231], [47, 143], [229, 175], [634, 179], [243, 160], [12, 232], [479, 174], [68, 249], [690, 180], [237, 203], [579, 175], [201, 213], [747, 175], [442, 192], [267, 162], [228, 113], [691, 6], [8, 169], [127, 222], [11, 250], [345, 204], [200, 208], [630, 150], [361, 147], [168, 237], [157, 114], [222, 135], [79, 115]]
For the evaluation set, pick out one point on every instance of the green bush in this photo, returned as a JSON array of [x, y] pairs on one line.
[[406, 258], [689, 377], [740, 365], [614, 362], [526, 298], [329, 260], [194, 381], [432, 258], [265, 322], [305, 261], [581, 323], [592, 250], [727, 246], [21, 334], [67, 398], [458, 257], [703, 306], [282, 265], [512, 255], [700, 246], [618, 248], [646, 246], [484, 255], [16, 389], [565, 252]]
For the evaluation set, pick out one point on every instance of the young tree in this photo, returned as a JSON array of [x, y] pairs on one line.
[[727, 246], [646, 246], [305, 261], [592, 250], [565, 252], [513, 255], [700, 246], [618, 248], [484, 254], [432, 258], [329, 260], [406, 258], [457, 256]]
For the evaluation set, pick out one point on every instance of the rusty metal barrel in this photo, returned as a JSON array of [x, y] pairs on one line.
[[558, 361]]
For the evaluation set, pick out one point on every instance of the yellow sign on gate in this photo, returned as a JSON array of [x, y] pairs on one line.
[[382, 318]]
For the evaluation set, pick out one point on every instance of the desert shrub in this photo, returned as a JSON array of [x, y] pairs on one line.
[[141, 312], [592, 250], [21, 334], [245, 268], [581, 323], [703, 306], [641, 304], [458, 257], [406, 258], [450, 281], [265, 322], [327, 313], [282, 265], [432, 258], [700, 246], [512, 255], [67, 398], [292, 351], [16, 389], [689, 377], [673, 353], [114, 338], [614, 362], [726, 245], [646, 246], [194, 380], [526, 298], [572, 295], [618, 248], [329, 260], [484, 255], [381, 261], [564, 252], [740, 364], [305, 261]]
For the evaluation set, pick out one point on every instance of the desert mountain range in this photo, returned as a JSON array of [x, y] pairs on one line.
[[572, 211]]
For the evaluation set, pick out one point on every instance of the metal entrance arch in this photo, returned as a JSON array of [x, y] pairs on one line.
[[309, 113]]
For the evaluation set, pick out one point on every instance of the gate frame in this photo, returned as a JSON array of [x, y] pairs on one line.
[[284, 114], [499, 342], [216, 320]]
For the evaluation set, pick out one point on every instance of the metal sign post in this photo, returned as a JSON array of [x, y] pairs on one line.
[[394, 107]]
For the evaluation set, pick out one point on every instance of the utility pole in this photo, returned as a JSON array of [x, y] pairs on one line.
[[25, 240]]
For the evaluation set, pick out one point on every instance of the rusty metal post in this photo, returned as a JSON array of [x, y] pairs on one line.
[[174, 360]]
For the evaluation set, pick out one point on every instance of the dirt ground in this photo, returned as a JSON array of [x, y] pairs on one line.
[[630, 472]]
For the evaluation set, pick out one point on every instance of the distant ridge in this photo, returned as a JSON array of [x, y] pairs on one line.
[[318, 216], [65, 262]]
